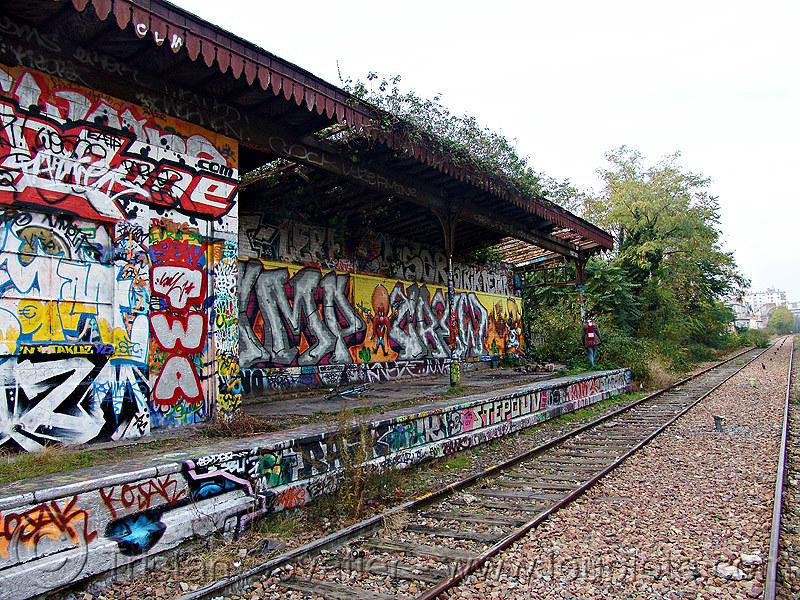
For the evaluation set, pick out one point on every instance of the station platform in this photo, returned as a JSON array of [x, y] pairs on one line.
[[83, 523]]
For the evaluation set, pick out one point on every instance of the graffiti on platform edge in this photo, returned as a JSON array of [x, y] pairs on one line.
[[61, 521]]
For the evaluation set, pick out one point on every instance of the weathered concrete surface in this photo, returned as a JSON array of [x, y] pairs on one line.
[[61, 529]]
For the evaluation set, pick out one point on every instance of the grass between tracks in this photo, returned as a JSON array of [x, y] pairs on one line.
[[596, 408]]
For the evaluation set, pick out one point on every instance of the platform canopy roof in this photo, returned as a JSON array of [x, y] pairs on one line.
[[337, 159]]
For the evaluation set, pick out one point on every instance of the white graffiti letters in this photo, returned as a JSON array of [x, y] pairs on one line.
[[327, 331], [420, 323], [178, 379], [181, 334]]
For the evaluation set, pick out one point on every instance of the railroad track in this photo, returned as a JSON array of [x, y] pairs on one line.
[[785, 515], [420, 549]]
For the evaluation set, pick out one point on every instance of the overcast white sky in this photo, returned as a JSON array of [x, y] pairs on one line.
[[716, 80]]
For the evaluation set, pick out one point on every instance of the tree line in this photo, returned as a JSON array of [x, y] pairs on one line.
[[658, 297]]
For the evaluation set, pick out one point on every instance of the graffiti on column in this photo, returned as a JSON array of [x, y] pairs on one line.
[[131, 293], [178, 324], [226, 331], [51, 273], [57, 334]]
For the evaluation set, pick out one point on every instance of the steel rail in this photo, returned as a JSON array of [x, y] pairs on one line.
[[248, 577], [771, 580], [440, 588]]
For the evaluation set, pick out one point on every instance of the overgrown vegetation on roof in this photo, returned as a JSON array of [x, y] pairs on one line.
[[457, 139]]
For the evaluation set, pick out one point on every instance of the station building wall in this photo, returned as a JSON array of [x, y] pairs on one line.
[[118, 246], [126, 301]]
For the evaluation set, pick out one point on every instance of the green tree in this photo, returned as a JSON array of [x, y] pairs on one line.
[[666, 225], [781, 321]]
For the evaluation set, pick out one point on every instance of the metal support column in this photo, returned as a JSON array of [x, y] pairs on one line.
[[455, 367], [580, 272], [448, 223]]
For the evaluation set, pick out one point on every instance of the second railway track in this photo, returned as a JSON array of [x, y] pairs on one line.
[[422, 548]]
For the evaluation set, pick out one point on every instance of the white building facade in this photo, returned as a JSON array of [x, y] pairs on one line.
[[755, 300]]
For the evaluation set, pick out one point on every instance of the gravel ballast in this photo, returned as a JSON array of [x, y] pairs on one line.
[[604, 563], [789, 559], [687, 517]]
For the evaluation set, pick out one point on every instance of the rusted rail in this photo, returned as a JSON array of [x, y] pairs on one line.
[[771, 582], [436, 591], [544, 494]]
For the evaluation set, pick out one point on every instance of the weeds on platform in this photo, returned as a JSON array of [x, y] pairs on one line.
[[49, 460], [53, 459], [239, 425], [354, 444], [565, 372], [355, 450], [455, 391]]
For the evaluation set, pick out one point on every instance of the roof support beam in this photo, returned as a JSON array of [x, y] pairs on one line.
[[376, 177]]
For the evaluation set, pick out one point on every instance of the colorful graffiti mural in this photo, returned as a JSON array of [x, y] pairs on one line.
[[178, 323], [302, 316], [119, 229], [226, 329], [107, 214], [22, 533], [88, 155]]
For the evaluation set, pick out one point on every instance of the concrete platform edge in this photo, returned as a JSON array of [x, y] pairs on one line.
[[71, 532]]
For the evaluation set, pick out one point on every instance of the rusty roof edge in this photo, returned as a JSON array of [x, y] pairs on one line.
[[167, 20], [168, 23]]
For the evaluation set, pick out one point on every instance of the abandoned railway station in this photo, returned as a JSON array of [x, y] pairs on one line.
[[188, 218]]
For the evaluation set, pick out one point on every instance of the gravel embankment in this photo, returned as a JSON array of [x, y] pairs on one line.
[[685, 518]]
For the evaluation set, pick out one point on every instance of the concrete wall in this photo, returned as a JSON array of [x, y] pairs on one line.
[[55, 536]]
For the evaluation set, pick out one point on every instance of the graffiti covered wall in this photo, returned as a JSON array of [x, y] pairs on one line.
[[307, 325], [118, 229], [293, 240]]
